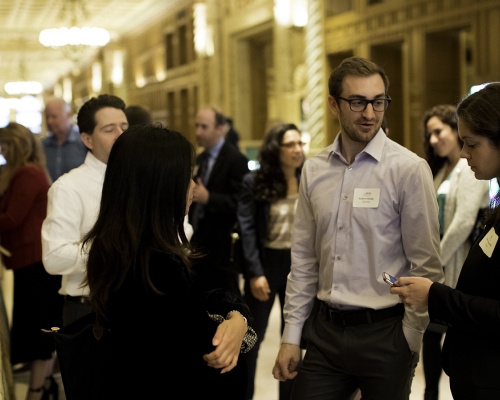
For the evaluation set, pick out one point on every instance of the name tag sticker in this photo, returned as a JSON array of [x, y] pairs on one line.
[[366, 198], [489, 242]]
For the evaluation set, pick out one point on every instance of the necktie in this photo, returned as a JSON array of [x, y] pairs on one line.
[[202, 172], [199, 209]]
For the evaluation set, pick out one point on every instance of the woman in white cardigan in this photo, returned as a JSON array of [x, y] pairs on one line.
[[460, 197]]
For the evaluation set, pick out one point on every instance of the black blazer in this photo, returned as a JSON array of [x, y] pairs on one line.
[[213, 232], [472, 313], [253, 219]]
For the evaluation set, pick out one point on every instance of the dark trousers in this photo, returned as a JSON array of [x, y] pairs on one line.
[[342, 358], [276, 269], [72, 310], [463, 388], [431, 359]]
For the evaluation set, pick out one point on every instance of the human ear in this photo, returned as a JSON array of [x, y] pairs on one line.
[[332, 103]]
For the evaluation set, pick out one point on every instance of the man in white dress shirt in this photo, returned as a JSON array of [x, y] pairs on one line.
[[366, 206], [73, 202]]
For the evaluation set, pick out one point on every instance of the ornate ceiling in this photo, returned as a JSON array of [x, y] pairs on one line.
[[22, 20]]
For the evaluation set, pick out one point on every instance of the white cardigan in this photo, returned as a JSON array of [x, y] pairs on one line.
[[466, 196]]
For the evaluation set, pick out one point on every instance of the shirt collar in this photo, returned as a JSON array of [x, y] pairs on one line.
[[94, 163], [374, 147], [214, 151]]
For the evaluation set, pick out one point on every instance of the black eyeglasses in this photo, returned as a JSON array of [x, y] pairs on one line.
[[358, 105]]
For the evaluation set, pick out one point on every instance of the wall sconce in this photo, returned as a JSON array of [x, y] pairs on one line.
[[58, 91], [203, 33], [290, 13], [140, 82], [161, 75], [67, 90], [117, 71], [96, 77]]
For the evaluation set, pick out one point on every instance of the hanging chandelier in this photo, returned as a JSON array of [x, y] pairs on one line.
[[74, 41], [23, 86]]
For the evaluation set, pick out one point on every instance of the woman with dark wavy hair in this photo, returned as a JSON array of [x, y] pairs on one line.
[[471, 311], [266, 213], [165, 339]]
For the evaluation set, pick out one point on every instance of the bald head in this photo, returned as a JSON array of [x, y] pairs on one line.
[[58, 118], [209, 127]]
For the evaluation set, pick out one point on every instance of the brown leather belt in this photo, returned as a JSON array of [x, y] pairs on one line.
[[363, 316]]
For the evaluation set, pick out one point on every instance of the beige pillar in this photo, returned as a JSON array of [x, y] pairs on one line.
[[317, 85], [414, 101]]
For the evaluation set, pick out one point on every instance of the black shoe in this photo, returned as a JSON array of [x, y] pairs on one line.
[[52, 392]]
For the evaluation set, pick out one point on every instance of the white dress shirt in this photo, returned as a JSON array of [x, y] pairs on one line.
[[340, 251], [72, 209]]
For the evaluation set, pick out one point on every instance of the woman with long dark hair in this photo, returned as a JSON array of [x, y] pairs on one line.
[[471, 311], [460, 197], [24, 182], [266, 213], [166, 341]]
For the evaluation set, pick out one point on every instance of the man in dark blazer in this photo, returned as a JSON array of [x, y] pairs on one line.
[[219, 171]]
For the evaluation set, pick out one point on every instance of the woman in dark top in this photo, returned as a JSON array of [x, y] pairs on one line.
[[471, 350], [24, 182], [266, 212], [460, 196], [165, 343]]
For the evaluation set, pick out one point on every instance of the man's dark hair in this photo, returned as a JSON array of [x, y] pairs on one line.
[[220, 118], [356, 66], [86, 115], [138, 115]]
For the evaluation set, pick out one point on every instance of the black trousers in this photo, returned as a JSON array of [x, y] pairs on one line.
[[342, 358], [72, 310], [431, 360], [462, 388], [276, 269]]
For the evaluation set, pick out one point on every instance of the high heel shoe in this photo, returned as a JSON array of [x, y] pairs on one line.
[[52, 392]]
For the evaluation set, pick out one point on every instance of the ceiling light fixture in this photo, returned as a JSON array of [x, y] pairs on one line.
[[23, 87], [74, 41]]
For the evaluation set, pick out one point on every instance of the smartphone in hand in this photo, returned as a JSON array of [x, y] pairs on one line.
[[389, 279]]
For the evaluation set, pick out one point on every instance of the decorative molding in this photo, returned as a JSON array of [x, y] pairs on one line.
[[389, 22], [238, 6]]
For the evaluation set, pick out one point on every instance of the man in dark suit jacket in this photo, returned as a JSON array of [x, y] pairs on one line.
[[220, 170]]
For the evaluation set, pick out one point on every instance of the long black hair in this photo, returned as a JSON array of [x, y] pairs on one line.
[[143, 206], [480, 112], [270, 182]]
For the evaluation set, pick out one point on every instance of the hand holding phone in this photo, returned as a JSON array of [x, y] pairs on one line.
[[389, 279]]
